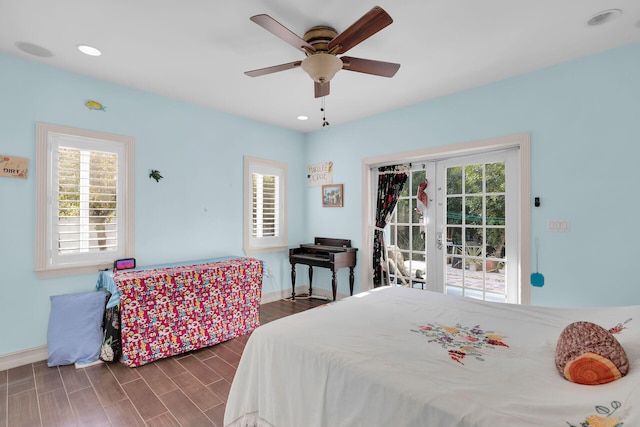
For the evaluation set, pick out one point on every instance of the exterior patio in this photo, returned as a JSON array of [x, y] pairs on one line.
[[478, 284]]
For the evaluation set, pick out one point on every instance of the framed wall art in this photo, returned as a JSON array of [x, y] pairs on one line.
[[332, 196]]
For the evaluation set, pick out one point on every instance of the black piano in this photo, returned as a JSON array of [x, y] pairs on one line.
[[327, 253]]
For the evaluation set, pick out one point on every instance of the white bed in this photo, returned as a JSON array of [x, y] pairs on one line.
[[382, 358]]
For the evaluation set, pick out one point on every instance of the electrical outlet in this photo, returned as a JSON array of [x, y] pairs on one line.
[[269, 272]]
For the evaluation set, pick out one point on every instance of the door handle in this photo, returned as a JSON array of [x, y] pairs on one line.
[[440, 240]]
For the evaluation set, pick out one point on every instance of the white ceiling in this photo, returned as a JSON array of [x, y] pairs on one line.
[[198, 50]]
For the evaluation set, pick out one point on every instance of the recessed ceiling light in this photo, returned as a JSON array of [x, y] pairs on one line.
[[302, 118], [603, 17], [89, 50], [33, 49]]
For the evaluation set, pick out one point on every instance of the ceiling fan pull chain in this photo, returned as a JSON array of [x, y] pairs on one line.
[[325, 123]]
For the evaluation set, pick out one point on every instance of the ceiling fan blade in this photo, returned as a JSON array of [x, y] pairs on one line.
[[273, 69], [321, 89], [368, 66], [372, 22], [279, 30]]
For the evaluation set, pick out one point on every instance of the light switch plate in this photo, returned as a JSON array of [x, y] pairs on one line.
[[558, 225]]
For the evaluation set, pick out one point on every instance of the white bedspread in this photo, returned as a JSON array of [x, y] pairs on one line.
[[402, 357]]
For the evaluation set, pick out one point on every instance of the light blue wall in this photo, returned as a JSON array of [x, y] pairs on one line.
[[194, 212], [584, 120]]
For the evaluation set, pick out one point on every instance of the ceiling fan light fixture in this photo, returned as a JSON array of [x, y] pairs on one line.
[[322, 43], [321, 67]]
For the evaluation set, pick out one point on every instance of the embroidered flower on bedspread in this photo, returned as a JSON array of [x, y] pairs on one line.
[[604, 419], [461, 341]]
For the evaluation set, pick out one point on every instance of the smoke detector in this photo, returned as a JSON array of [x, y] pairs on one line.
[[33, 49], [603, 17]]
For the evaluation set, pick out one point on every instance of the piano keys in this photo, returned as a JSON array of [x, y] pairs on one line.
[[326, 253]]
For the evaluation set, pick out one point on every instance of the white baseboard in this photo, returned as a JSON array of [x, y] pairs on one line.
[[278, 295], [23, 357], [300, 290]]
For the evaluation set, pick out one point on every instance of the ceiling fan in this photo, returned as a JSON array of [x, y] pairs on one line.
[[321, 44]]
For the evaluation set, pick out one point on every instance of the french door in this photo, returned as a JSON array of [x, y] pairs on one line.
[[455, 227]]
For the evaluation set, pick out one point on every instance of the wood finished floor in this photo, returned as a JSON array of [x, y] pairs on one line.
[[188, 390]]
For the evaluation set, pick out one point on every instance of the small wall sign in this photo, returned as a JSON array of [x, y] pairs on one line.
[[14, 167], [320, 174]]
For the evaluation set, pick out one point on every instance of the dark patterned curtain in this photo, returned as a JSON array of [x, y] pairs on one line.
[[391, 179]]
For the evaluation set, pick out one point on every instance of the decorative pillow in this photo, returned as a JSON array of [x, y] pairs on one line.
[[75, 328], [589, 354]]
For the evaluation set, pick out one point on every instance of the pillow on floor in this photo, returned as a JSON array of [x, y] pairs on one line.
[[75, 328], [589, 354]]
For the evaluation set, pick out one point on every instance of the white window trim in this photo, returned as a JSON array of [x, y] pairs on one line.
[[43, 265], [253, 245], [521, 140]]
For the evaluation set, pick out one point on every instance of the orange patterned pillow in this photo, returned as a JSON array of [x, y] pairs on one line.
[[589, 354]]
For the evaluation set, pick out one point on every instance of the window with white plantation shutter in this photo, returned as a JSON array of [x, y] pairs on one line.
[[265, 207], [87, 219], [84, 200]]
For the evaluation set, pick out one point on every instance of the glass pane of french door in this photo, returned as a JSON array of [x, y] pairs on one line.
[[406, 248], [475, 227]]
